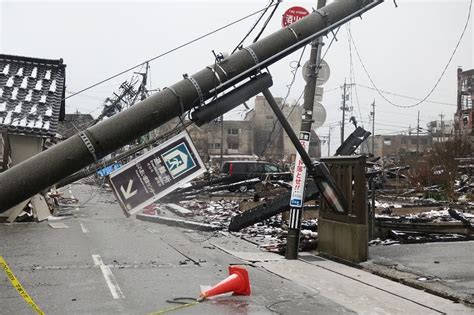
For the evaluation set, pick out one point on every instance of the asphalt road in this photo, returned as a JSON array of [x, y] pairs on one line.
[[438, 266], [104, 263]]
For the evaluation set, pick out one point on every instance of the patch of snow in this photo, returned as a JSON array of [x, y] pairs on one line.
[[46, 125], [52, 87], [14, 93], [29, 96], [3, 106], [24, 83], [20, 72], [39, 85], [49, 112], [47, 76], [18, 107], [10, 82], [39, 123], [8, 118], [43, 99], [31, 124], [33, 109], [6, 69], [34, 73], [1, 92], [23, 122]]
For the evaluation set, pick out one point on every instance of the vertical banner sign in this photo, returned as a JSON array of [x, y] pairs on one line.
[[292, 15], [156, 173], [299, 174]]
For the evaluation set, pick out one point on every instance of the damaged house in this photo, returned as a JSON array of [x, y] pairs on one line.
[[32, 92]]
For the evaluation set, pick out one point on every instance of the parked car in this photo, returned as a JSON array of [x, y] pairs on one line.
[[244, 171]]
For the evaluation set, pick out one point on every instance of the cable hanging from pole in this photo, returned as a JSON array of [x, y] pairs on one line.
[[439, 78], [253, 27], [269, 142], [170, 51]]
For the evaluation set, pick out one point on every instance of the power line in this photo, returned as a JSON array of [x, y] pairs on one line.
[[253, 27], [170, 51], [437, 82], [405, 96], [270, 141], [268, 20], [352, 75]]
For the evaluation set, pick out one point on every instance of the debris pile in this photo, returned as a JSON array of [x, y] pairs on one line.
[[269, 234], [444, 224]]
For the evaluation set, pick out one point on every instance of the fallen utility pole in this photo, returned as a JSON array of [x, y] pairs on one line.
[[96, 167], [298, 189], [50, 166]]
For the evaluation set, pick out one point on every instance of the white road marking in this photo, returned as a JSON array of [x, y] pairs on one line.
[[109, 278], [84, 229]]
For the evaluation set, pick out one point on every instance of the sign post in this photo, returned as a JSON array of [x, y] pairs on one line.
[[156, 173], [311, 76]]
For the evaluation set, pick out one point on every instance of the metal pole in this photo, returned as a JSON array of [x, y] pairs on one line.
[[442, 127], [48, 167], [318, 171], [296, 210], [329, 141], [373, 128], [222, 140], [418, 134], [287, 127], [343, 111]]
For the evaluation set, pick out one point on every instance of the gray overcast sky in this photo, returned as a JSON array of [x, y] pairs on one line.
[[404, 49]]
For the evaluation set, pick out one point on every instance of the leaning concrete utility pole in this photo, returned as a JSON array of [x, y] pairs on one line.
[[299, 174], [50, 166]]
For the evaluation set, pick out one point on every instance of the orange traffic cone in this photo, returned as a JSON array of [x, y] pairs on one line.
[[237, 282]]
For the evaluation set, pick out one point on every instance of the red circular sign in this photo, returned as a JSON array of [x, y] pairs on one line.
[[292, 15]]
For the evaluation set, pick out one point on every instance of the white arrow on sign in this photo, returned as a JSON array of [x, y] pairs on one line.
[[128, 193]]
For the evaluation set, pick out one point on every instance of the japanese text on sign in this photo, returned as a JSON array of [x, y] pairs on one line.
[[299, 175]]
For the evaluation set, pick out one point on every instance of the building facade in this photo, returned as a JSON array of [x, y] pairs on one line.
[[397, 145], [258, 135], [464, 117]]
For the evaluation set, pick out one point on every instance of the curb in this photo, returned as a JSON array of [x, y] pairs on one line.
[[444, 292], [178, 222]]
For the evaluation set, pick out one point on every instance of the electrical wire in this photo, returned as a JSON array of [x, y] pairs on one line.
[[169, 51], [268, 20], [253, 27], [352, 75], [270, 142], [405, 96], [437, 82]]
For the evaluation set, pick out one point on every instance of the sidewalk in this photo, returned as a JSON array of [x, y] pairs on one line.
[[355, 289]]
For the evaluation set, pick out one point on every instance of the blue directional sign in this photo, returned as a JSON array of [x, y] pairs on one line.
[[156, 173]]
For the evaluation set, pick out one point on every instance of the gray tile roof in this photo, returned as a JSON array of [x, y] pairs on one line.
[[32, 94]]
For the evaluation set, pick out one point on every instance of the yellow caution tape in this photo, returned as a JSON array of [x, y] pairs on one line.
[[17, 285], [175, 308]]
